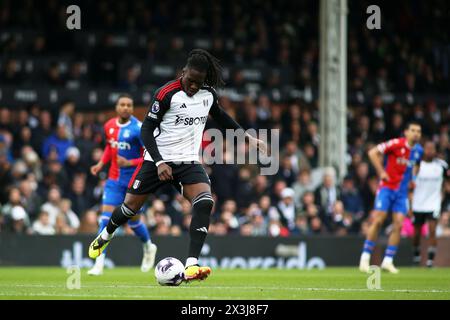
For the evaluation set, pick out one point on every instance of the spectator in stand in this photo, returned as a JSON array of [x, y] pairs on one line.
[[22, 139], [73, 165], [285, 172], [75, 79], [326, 196], [260, 187], [41, 132], [66, 213], [11, 74], [287, 209], [89, 223], [54, 77], [246, 229], [66, 113], [351, 198], [86, 144], [5, 175], [230, 221], [316, 226], [302, 185], [14, 216], [224, 179], [301, 226], [80, 196], [268, 211], [162, 224], [52, 204], [244, 187], [342, 221], [259, 223], [277, 188], [30, 199], [42, 225], [19, 221], [32, 160], [59, 143]]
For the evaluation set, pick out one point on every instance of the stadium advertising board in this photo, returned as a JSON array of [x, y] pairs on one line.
[[218, 252]]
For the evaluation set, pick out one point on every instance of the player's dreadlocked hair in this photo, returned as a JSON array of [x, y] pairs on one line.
[[203, 61]]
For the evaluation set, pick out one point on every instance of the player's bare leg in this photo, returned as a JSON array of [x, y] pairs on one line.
[[120, 216], [99, 264], [199, 194], [416, 243], [149, 248], [394, 240], [372, 236], [432, 242]]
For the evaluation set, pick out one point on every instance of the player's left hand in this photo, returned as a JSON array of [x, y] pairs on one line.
[[259, 144], [122, 162]]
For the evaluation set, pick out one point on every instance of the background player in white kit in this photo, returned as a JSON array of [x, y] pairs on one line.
[[427, 199]]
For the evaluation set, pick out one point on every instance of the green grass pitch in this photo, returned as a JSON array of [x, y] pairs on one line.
[[130, 283]]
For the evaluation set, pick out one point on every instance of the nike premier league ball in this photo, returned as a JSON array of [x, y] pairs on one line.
[[169, 272]]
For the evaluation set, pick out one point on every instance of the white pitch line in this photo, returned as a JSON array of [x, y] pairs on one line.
[[238, 287], [121, 296]]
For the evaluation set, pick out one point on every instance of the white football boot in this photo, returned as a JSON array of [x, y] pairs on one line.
[[364, 263], [97, 269], [389, 266], [148, 259]]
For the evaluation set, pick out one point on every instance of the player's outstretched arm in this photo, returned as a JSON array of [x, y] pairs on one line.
[[224, 120], [376, 158], [106, 157]]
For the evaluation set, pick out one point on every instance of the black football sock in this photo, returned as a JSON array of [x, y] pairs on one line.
[[431, 253], [120, 216], [201, 211], [416, 251]]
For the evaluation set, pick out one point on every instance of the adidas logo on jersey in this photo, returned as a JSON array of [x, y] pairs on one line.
[[183, 106]]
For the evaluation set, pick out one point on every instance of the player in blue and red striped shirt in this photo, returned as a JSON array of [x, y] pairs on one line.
[[123, 151], [396, 162]]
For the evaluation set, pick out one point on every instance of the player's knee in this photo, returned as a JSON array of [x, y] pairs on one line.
[[379, 222], [203, 202], [127, 210], [432, 234], [132, 205], [397, 226]]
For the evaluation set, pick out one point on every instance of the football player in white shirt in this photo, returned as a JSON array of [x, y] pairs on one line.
[[172, 134], [427, 199]]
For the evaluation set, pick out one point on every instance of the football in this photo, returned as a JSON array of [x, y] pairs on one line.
[[169, 272]]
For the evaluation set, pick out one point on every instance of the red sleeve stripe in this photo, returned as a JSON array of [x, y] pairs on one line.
[[165, 90], [136, 171]]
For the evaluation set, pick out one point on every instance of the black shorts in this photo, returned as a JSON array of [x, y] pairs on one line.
[[145, 179], [421, 217]]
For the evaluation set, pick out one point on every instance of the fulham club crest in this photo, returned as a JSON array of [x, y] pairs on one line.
[[136, 184]]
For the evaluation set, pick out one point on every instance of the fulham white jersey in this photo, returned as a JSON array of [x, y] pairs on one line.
[[427, 193], [181, 121]]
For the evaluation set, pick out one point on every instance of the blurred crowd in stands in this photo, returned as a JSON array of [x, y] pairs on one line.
[[45, 153], [46, 187], [409, 54]]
